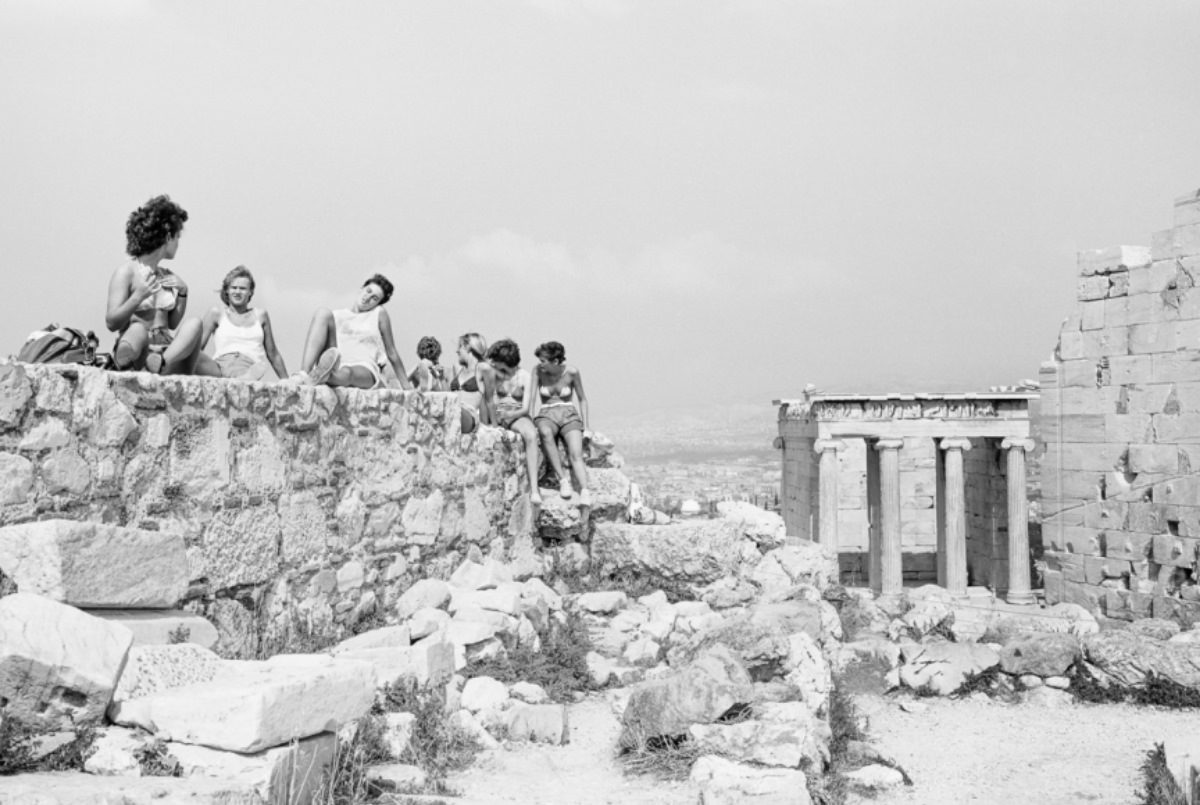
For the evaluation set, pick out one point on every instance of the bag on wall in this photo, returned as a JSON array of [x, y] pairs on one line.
[[54, 344]]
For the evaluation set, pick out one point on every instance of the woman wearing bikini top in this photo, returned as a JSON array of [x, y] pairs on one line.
[[559, 408], [468, 383], [147, 301], [243, 344], [506, 396]]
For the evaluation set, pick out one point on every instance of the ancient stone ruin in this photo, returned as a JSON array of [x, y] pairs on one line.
[[1121, 426]]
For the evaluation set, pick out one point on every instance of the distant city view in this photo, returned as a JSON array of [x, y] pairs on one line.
[[704, 455]]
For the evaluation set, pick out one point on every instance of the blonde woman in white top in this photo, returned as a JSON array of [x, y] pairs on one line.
[[243, 343], [349, 347]]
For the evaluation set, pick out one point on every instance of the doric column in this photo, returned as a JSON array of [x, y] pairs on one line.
[[828, 471], [955, 508], [1018, 522], [891, 560]]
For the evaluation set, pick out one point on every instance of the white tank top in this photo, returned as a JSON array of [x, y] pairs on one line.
[[358, 337], [247, 339]]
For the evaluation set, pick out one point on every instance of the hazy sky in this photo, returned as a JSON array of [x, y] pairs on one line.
[[704, 200]]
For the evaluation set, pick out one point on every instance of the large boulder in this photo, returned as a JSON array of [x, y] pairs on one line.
[[1128, 659], [429, 662], [764, 528], [58, 666], [254, 705], [94, 565], [800, 562], [538, 723], [942, 667], [700, 693], [424, 594], [725, 782], [760, 637], [289, 775], [1040, 654], [696, 552], [780, 734], [153, 669]]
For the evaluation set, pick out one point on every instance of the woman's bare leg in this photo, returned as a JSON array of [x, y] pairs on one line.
[[529, 434], [550, 448], [183, 355], [574, 440], [322, 334], [132, 346]]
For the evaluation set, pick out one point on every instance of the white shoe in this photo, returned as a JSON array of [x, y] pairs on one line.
[[324, 367], [564, 489]]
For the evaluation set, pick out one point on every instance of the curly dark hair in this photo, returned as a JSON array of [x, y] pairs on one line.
[[384, 284], [505, 351], [237, 273], [551, 351], [429, 348], [153, 224]]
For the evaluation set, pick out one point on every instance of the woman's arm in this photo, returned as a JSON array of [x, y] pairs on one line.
[[580, 397], [175, 317], [125, 292], [273, 356], [485, 375], [533, 393], [529, 395], [389, 348], [208, 325]]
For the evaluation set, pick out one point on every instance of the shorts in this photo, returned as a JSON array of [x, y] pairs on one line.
[[373, 368], [469, 419], [560, 418], [240, 366], [505, 417]]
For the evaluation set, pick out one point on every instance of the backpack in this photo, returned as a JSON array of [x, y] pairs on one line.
[[54, 344]]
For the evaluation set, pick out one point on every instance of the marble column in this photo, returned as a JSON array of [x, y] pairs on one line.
[[1019, 591], [828, 507], [891, 559], [955, 508]]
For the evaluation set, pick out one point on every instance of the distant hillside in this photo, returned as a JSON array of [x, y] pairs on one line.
[[695, 433]]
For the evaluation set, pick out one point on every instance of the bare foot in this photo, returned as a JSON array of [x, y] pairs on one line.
[[535, 498]]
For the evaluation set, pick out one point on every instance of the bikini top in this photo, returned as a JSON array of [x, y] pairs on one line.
[[163, 300], [549, 393], [471, 384]]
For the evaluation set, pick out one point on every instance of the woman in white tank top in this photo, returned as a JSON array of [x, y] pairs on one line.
[[243, 344], [349, 347]]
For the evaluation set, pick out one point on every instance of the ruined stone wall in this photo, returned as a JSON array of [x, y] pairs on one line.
[[1120, 421], [987, 515], [298, 504]]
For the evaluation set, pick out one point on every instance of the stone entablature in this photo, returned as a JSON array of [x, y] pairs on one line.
[[913, 486], [1121, 425], [296, 503]]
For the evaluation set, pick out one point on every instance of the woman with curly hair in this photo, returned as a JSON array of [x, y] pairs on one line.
[[348, 347], [243, 344], [559, 409], [147, 301], [506, 395], [468, 382], [429, 375]]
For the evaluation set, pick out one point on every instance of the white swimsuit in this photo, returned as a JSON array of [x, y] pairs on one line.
[[359, 341]]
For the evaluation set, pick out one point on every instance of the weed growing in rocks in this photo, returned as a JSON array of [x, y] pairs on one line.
[[154, 761], [1159, 785], [560, 668], [855, 619], [298, 638], [180, 634], [660, 758], [345, 782], [20, 748], [437, 745]]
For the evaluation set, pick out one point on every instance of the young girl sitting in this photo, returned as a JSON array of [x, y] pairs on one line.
[[559, 409]]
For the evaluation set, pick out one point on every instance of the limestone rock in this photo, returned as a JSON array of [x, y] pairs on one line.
[[724, 782], [114, 752], [528, 692], [785, 742], [927, 616], [699, 693], [161, 627], [942, 667], [425, 622], [808, 671], [58, 666], [253, 705], [801, 561], [1155, 628], [154, 669], [602, 603], [505, 597], [1129, 658], [484, 693], [287, 775], [93, 565], [642, 651], [384, 637], [1047, 698], [538, 723], [426, 663], [423, 594], [1040, 654], [73, 788], [759, 637], [697, 552], [463, 720], [764, 528], [875, 777], [481, 576]]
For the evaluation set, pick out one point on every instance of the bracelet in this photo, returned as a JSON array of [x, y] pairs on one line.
[[182, 295]]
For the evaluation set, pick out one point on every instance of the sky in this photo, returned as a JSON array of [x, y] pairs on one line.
[[705, 201]]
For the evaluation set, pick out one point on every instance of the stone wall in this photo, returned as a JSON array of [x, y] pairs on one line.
[[301, 507], [1120, 421]]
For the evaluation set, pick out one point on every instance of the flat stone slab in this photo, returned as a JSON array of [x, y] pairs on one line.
[[289, 775], [252, 705], [426, 663], [155, 669], [58, 665], [95, 566], [74, 788], [155, 627]]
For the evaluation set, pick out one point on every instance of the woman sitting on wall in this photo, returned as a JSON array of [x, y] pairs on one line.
[[243, 344], [506, 395], [429, 375], [559, 409], [147, 301], [348, 347], [468, 382]]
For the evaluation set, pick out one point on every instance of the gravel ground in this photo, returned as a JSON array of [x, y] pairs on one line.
[[980, 751]]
